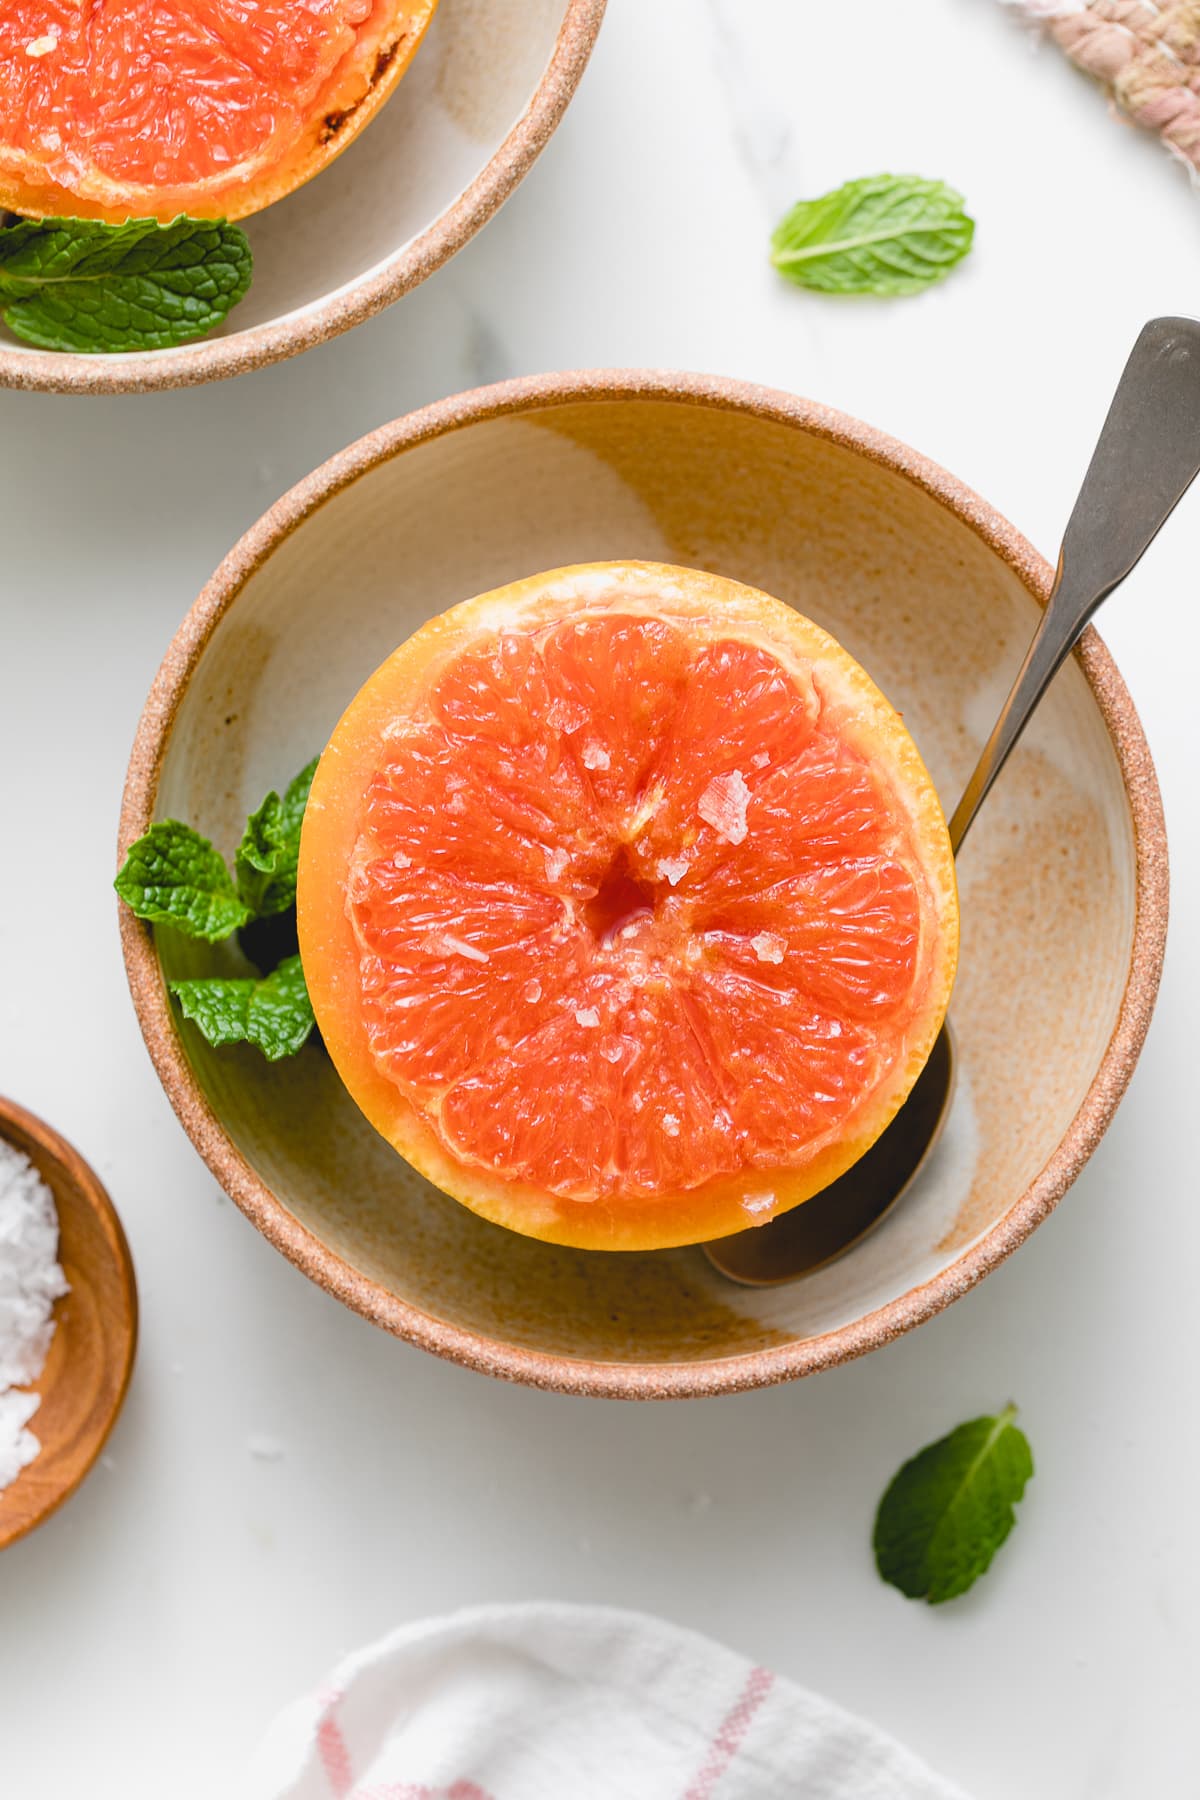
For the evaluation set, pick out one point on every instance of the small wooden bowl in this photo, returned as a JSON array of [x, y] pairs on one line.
[[91, 1355]]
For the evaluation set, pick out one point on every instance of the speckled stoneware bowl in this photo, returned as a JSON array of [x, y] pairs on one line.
[[485, 91], [1064, 881]]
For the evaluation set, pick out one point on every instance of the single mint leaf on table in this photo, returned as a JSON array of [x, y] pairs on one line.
[[883, 234], [270, 848], [80, 284], [274, 1014], [173, 876], [949, 1510]]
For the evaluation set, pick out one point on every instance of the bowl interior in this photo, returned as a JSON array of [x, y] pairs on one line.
[[937, 616], [469, 85]]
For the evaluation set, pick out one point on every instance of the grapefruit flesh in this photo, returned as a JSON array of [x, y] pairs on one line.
[[626, 906], [115, 109]]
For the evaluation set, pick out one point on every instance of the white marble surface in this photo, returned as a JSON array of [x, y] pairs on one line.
[[148, 1631]]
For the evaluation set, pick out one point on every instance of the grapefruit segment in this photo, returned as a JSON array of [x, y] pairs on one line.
[[113, 110], [626, 906]]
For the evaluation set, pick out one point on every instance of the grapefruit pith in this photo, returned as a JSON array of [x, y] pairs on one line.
[[626, 906], [119, 109]]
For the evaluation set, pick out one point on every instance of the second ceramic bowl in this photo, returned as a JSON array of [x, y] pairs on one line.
[[483, 96], [1064, 881]]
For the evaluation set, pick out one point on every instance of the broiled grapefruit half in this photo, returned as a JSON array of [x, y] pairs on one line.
[[117, 109], [626, 906]]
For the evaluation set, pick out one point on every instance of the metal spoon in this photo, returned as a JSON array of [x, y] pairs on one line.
[[1147, 456]]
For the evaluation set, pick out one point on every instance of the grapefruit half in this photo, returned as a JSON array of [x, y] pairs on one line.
[[116, 109], [626, 906]]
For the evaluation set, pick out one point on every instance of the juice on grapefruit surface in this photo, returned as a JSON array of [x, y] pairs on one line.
[[626, 906], [123, 109]]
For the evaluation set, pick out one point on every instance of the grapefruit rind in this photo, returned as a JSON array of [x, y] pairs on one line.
[[713, 608], [360, 83]]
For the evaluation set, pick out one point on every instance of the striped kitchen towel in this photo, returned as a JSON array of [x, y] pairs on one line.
[[548, 1702]]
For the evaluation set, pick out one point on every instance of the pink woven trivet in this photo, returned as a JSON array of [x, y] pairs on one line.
[[1147, 54]]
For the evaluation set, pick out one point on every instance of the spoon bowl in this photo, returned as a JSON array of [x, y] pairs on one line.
[[840, 1216], [87, 1372]]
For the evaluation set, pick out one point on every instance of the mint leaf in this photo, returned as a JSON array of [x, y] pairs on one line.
[[281, 1014], [883, 234], [270, 848], [173, 876], [220, 1007], [948, 1511], [274, 1014], [79, 284]]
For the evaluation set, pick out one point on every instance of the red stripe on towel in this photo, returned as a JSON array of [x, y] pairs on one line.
[[731, 1735]]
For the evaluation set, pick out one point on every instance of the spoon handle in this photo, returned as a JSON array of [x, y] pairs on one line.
[[1145, 461]]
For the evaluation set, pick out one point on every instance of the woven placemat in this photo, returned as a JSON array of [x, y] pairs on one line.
[[1147, 54]]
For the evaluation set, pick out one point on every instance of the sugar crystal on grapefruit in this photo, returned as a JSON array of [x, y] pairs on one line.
[[116, 109], [626, 905]]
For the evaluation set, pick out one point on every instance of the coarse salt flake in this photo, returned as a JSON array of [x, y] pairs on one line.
[[595, 756], [767, 947], [723, 806], [760, 759], [566, 715], [758, 1205], [457, 946], [588, 1017], [400, 861], [670, 1125], [42, 46], [532, 992], [672, 869]]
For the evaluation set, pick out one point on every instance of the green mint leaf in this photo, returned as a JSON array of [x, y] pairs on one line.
[[884, 234], [274, 1014], [79, 284], [270, 848], [173, 876], [948, 1511], [281, 1014], [221, 1008]]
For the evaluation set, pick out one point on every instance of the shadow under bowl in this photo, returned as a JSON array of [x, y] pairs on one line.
[[482, 98], [1063, 884]]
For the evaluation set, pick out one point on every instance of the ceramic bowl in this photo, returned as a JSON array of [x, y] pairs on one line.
[[485, 91], [1064, 881]]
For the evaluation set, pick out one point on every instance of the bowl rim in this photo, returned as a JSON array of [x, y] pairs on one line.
[[216, 359], [750, 1369]]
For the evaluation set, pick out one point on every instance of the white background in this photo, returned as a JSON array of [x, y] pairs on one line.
[[148, 1632]]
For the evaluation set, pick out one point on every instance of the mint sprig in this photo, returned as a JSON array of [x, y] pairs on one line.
[[269, 852], [950, 1508], [275, 1013], [83, 285], [882, 234], [174, 877]]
